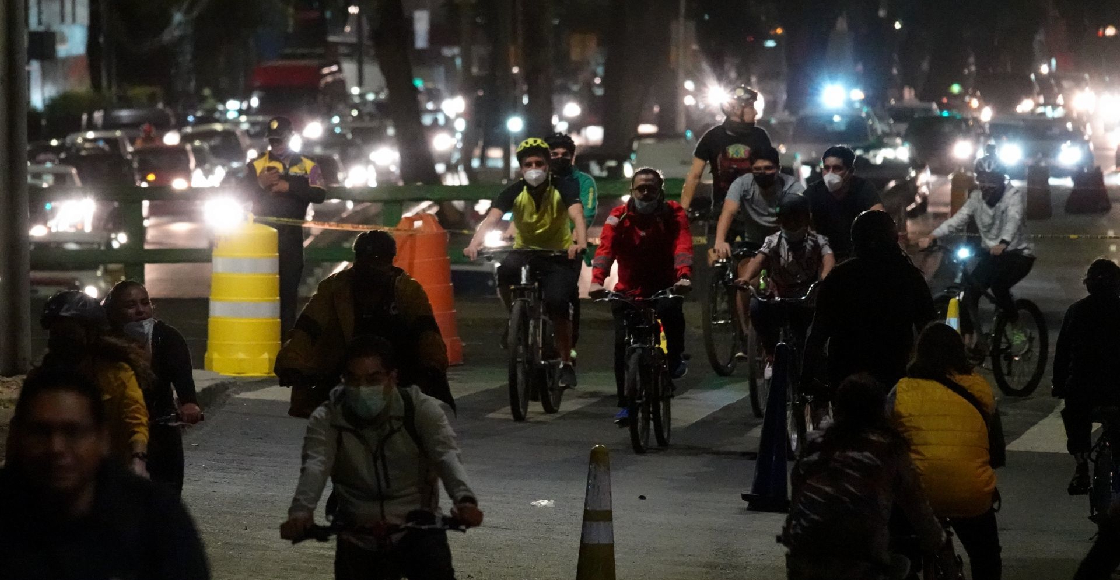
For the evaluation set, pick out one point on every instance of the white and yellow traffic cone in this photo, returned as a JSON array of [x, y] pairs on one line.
[[953, 314], [596, 543]]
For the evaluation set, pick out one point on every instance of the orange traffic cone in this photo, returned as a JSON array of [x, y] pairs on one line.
[[596, 542], [422, 252]]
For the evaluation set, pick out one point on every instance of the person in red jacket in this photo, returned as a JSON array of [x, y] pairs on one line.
[[649, 238]]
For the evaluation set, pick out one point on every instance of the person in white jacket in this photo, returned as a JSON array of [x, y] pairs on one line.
[[385, 448], [999, 212]]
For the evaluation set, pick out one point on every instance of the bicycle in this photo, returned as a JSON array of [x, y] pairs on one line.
[[924, 567], [382, 533], [649, 390], [723, 336], [1017, 350], [787, 361], [534, 362], [1105, 488]]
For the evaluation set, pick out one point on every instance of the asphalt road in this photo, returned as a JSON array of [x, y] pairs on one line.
[[242, 464]]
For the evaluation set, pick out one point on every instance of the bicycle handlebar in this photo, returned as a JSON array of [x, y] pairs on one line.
[[666, 294], [776, 299], [491, 253], [174, 420], [323, 533]]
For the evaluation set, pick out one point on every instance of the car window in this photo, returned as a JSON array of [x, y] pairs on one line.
[[839, 129], [223, 144], [163, 160]]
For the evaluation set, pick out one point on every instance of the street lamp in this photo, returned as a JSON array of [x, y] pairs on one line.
[[514, 125]]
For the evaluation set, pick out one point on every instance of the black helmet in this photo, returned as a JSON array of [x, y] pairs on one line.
[[1103, 276], [279, 128], [874, 232], [561, 140], [73, 304], [375, 245]]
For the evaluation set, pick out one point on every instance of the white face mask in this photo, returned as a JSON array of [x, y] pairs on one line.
[[141, 330], [535, 177], [833, 181]]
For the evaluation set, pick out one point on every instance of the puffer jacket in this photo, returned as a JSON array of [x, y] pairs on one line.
[[124, 406], [949, 442], [378, 470]]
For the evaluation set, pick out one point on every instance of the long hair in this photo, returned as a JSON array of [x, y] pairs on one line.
[[110, 347], [940, 352], [860, 408]]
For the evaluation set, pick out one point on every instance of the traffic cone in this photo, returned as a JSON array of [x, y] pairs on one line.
[[953, 314], [1089, 194], [769, 491], [596, 543], [422, 252], [1038, 192], [959, 185]]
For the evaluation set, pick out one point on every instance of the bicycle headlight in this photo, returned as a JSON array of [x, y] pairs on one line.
[[964, 253]]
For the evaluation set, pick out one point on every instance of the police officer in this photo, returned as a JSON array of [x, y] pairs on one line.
[[282, 184]]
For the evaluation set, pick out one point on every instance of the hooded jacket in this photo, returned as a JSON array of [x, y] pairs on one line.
[[654, 251], [379, 472], [1005, 222]]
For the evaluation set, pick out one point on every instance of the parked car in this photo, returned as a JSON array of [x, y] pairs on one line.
[[1059, 143]]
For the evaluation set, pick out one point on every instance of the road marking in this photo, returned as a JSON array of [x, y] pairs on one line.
[[268, 394], [573, 400], [1046, 436], [697, 403]]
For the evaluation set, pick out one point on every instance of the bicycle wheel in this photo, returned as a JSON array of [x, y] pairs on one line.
[[1019, 350], [662, 406], [756, 374], [721, 325], [520, 367], [549, 389], [639, 404], [1100, 495], [798, 416]]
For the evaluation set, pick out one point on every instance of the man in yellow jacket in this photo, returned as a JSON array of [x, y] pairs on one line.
[[370, 298]]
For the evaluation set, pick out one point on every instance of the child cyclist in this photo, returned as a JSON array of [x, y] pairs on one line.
[[794, 259]]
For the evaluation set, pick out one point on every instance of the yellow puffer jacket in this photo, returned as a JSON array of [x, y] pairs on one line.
[[949, 442], [125, 411]]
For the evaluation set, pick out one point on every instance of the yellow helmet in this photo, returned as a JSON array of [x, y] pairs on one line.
[[532, 145]]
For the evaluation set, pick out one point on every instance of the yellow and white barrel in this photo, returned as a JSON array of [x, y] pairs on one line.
[[244, 326]]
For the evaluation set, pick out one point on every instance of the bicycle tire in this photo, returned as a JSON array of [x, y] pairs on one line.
[[796, 409], [756, 374], [1100, 494], [638, 404], [551, 393], [1001, 346], [719, 303], [662, 406], [520, 371]]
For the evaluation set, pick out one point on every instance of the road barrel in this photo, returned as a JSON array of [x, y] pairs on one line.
[[422, 252], [244, 325], [1038, 192], [596, 542], [960, 184]]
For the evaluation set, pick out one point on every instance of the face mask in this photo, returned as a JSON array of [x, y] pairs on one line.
[[833, 181], [991, 195], [140, 330], [765, 180], [561, 165], [646, 206], [366, 402], [795, 237], [535, 177]]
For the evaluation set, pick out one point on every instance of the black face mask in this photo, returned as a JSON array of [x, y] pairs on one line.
[[737, 127], [561, 165], [765, 180], [992, 195]]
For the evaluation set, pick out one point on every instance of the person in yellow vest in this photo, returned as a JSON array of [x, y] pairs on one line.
[[282, 183], [542, 208], [943, 407]]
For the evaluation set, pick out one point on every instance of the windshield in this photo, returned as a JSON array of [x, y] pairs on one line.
[[926, 128], [1055, 131], [832, 129], [163, 160], [223, 144], [907, 114], [54, 179], [286, 101]]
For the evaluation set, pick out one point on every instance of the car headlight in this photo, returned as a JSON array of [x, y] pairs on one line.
[[172, 138], [384, 156], [198, 179], [443, 142], [964, 253], [223, 214], [38, 231], [1010, 154], [902, 153], [963, 150], [74, 215], [251, 154], [1069, 155], [179, 183], [572, 110], [358, 175], [92, 292], [313, 130]]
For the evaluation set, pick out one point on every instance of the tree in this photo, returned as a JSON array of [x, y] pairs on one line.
[[391, 40]]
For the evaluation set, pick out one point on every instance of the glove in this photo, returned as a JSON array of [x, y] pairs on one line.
[[597, 291], [682, 287]]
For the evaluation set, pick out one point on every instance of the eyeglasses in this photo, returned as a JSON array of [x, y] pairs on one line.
[[833, 169]]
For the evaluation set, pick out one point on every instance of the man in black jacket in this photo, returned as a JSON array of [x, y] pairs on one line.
[[282, 183], [1087, 363], [68, 513], [839, 198]]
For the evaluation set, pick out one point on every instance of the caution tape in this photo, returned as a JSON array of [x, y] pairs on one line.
[[274, 221]]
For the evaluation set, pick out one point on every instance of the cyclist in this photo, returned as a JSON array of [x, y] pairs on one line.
[[999, 212], [650, 239], [794, 258], [1087, 362], [727, 148], [948, 440], [543, 207], [752, 203], [869, 308], [385, 448], [839, 197]]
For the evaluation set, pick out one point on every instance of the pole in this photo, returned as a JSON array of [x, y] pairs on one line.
[[506, 87], [15, 258], [361, 44], [681, 55]]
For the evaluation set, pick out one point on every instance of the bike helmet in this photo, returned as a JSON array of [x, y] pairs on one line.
[[73, 304], [989, 166], [744, 94], [561, 140], [532, 146], [874, 232], [375, 245]]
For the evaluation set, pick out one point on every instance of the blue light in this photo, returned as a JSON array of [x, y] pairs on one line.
[[770, 43]]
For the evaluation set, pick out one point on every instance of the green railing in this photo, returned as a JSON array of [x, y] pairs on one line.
[[129, 201]]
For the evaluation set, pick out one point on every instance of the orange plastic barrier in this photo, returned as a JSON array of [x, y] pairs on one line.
[[422, 252]]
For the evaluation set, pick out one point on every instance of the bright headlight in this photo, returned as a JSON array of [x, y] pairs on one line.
[[443, 142], [313, 130], [251, 154], [172, 138], [357, 175], [223, 214], [1069, 155], [902, 153], [38, 231], [92, 292], [964, 253], [1026, 106], [180, 183], [963, 150], [74, 215], [717, 95], [1010, 154], [833, 96], [384, 156], [572, 110], [493, 239]]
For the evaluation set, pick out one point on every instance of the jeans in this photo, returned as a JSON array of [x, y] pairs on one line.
[[671, 315], [980, 538], [419, 555], [291, 274], [999, 273]]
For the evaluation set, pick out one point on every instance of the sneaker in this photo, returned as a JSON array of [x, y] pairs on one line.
[[1080, 483], [567, 375], [622, 418], [680, 370], [743, 355]]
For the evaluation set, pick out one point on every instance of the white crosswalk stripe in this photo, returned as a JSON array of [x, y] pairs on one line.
[[268, 394], [697, 403]]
